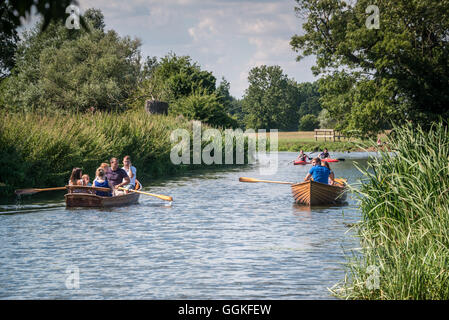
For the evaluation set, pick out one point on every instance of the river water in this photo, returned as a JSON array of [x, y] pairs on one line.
[[219, 239]]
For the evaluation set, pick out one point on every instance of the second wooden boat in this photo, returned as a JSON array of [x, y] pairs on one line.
[[313, 193]]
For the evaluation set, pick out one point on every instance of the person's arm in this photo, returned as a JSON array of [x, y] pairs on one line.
[[309, 174], [132, 171], [125, 180]]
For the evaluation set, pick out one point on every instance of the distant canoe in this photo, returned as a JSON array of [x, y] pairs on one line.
[[78, 199], [314, 193], [301, 162], [330, 160]]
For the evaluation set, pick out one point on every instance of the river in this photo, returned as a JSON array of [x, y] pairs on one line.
[[219, 239]]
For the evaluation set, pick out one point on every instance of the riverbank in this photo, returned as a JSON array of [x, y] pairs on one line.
[[404, 236], [41, 150], [295, 141]]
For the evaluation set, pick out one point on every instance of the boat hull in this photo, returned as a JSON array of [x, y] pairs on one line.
[[93, 201], [330, 160], [301, 163], [313, 193]]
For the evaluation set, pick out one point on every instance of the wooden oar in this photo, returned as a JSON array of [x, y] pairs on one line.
[[89, 188], [160, 196], [36, 190], [244, 179]]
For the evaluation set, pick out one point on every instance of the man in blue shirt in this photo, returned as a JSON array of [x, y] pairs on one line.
[[318, 172]]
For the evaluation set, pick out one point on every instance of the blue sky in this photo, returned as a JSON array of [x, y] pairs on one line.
[[227, 37]]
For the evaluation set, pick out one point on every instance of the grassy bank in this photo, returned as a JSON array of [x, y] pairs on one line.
[[405, 227], [295, 141], [41, 151]]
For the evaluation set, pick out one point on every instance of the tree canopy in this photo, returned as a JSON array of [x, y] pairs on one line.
[[371, 76], [271, 100], [73, 70], [8, 40]]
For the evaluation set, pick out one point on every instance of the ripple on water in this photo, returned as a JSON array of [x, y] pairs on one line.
[[219, 239]]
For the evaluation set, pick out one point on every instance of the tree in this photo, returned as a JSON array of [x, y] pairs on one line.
[[399, 71], [73, 70], [271, 100], [95, 18], [173, 77], [309, 96], [325, 120], [309, 122], [50, 10], [204, 107], [8, 40]]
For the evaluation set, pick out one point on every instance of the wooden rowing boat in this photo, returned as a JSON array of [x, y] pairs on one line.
[[88, 198], [314, 193]]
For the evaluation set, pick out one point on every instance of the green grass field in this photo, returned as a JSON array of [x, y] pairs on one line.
[[295, 141]]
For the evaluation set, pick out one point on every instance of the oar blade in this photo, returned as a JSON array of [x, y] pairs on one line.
[[244, 179], [21, 192]]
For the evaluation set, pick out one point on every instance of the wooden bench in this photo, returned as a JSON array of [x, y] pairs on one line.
[[328, 133]]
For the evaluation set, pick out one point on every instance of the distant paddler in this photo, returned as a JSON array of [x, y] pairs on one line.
[[325, 154], [302, 156]]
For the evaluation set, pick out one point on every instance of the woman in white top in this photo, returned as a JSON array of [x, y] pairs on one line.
[[131, 171]]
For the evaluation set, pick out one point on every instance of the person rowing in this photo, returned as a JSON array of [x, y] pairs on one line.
[[325, 154], [318, 172], [302, 156], [117, 177]]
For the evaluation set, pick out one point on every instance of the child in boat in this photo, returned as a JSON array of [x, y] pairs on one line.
[[105, 167], [76, 180], [86, 180], [131, 171], [102, 181], [76, 177], [331, 174]]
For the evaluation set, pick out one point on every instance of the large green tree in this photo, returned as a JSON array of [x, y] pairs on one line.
[[271, 100], [73, 70], [173, 77], [8, 40], [370, 76]]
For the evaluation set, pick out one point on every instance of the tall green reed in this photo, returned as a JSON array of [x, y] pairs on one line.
[[41, 150], [404, 199]]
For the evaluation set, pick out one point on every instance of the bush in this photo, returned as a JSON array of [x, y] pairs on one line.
[[205, 108], [309, 122]]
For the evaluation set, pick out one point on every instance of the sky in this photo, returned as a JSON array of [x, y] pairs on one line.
[[226, 37]]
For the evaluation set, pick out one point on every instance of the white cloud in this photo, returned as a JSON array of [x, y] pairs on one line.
[[227, 37]]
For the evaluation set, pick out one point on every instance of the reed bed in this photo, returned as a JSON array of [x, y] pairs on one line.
[[404, 233], [41, 150]]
